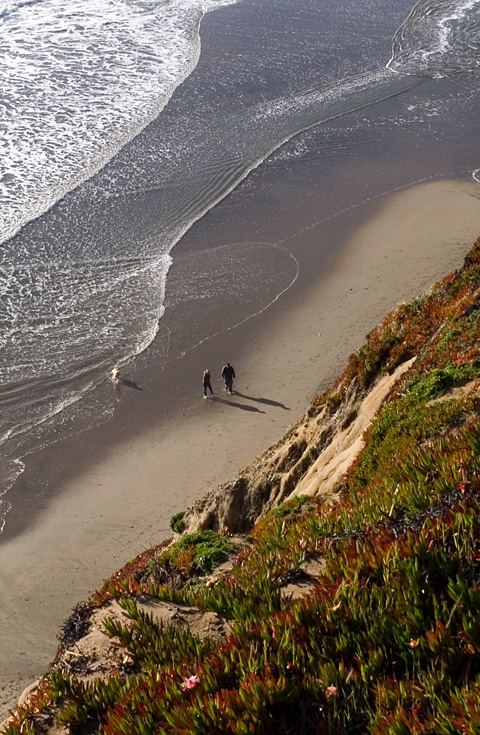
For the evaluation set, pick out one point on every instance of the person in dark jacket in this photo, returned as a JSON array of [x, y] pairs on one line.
[[228, 374], [207, 383]]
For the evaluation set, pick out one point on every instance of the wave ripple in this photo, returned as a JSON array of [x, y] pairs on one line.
[[78, 82], [440, 38]]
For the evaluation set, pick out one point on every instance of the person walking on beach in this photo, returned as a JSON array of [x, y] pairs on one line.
[[228, 374], [207, 383]]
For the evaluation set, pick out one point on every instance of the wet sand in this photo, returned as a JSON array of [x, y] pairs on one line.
[[92, 501]]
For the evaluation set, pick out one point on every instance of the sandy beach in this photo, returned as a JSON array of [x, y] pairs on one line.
[[93, 501]]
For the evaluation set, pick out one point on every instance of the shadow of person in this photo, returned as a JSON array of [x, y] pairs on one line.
[[236, 405], [266, 401], [128, 383]]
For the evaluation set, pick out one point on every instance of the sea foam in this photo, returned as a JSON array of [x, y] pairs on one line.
[[77, 83]]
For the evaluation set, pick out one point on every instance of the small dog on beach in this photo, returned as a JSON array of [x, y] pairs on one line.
[[114, 374]]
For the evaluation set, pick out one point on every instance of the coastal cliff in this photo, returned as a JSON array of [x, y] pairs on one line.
[[332, 586]]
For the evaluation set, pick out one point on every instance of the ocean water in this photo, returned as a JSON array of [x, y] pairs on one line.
[[108, 155]]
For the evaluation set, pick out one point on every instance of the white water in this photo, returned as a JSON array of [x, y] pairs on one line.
[[77, 82], [440, 38]]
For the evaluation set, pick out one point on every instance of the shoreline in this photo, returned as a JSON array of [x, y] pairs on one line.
[[102, 497]]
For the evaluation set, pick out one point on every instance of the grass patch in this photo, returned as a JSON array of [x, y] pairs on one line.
[[441, 380], [176, 523], [203, 550]]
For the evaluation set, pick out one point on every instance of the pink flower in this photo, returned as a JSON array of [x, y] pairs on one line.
[[331, 690], [191, 682], [212, 581]]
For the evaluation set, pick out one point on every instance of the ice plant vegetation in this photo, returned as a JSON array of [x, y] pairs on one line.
[[384, 641]]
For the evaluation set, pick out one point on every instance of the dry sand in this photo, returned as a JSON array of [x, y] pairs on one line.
[[121, 501]]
